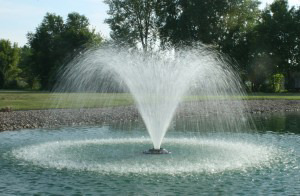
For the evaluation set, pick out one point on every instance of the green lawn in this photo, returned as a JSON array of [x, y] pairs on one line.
[[22, 100], [285, 96], [39, 100]]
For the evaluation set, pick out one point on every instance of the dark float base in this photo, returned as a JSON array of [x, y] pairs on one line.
[[157, 151]]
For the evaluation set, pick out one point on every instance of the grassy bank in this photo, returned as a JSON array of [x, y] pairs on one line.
[[42, 100], [273, 96], [22, 100]]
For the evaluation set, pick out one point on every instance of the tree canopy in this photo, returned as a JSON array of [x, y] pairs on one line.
[[9, 59], [55, 40], [264, 44], [276, 42], [133, 22]]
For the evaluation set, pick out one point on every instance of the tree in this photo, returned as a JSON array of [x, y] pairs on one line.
[[207, 21], [56, 41], [9, 59], [277, 37], [133, 22], [235, 38], [225, 25], [187, 21], [77, 33], [27, 75], [45, 45]]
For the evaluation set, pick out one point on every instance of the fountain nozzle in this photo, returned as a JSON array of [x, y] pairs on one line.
[[157, 151]]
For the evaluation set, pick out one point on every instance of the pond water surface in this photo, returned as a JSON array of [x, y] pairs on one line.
[[108, 159]]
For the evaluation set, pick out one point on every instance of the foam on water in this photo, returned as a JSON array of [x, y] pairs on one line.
[[123, 156]]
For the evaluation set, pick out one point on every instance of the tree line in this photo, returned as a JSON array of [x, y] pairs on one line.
[[54, 42], [265, 44]]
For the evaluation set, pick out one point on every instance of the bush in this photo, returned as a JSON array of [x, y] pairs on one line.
[[278, 83]]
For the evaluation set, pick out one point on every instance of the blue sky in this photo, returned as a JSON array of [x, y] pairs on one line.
[[18, 17]]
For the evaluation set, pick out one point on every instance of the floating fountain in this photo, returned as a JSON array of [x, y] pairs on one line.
[[158, 81], [190, 86]]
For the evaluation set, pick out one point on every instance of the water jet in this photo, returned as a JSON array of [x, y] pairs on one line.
[[158, 81]]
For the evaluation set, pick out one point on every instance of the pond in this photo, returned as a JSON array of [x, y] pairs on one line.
[[108, 159]]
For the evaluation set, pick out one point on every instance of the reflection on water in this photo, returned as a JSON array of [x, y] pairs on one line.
[[278, 122]]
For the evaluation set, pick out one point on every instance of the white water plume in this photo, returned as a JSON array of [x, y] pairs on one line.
[[158, 81]]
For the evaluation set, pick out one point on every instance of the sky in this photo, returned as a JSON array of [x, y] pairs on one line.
[[18, 17]]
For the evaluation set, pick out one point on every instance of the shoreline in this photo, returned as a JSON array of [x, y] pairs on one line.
[[31, 119]]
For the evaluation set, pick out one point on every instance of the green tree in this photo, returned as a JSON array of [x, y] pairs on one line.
[[28, 75], [187, 21], [9, 59], [238, 24], [226, 25], [277, 38], [133, 22], [45, 45], [77, 34], [56, 41], [206, 21]]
